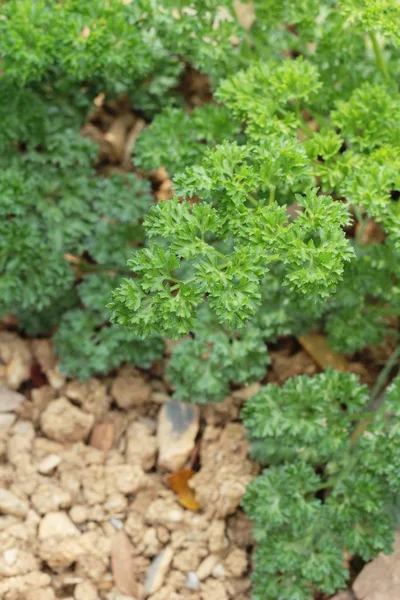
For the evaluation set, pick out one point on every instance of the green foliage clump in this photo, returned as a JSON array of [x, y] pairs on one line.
[[117, 44], [87, 343], [191, 135], [323, 489], [61, 222], [203, 368]]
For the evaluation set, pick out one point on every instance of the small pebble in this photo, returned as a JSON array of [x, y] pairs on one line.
[[218, 571], [192, 581], [206, 567], [48, 464], [157, 571], [118, 524]]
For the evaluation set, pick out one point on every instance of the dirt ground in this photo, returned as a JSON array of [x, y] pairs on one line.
[[110, 490], [87, 509]]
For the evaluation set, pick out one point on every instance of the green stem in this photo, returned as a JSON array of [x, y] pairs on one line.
[[220, 254], [362, 221], [272, 194], [363, 424], [252, 201], [382, 65], [384, 374]]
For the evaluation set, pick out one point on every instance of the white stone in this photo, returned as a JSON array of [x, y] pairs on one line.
[[10, 504], [85, 591], [48, 464], [9, 399], [192, 581], [177, 428], [206, 567], [218, 571], [157, 571], [57, 524], [7, 420], [65, 423]]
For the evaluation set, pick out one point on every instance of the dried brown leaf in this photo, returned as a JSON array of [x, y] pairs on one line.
[[179, 483], [317, 347], [123, 564]]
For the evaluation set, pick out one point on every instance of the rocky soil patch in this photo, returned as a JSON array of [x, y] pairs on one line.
[[88, 510]]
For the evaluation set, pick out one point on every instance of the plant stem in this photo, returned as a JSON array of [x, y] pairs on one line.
[[362, 221], [382, 65], [376, 390], [271, 194], [363, 424], [384, 374]]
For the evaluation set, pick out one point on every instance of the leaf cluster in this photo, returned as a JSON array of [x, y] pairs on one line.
[[320, 492], [118, 45]]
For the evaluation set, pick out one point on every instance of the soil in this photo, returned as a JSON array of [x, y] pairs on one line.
[[86, 510]]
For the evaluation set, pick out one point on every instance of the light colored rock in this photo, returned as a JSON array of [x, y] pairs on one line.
[[15, 354], [85, 591], [380, 579], [236, 562], [102, 436], [157, 571], [44, 353], [15, 562], [48, 464], [91, 396], [50, 497], [213, 589], [126, 479], [206, 567], [192, 581], [17, 371], [130, 389], [10, 504], [22, 585], [7, 420], [347, 595], [225, 470], [9, 399], [79, 514], [60, 553], [19, 447], [178, 425], [57, 523], [218, 571], [42, 594], [116, 504], [64, 422], [141, 446], [56, 378]]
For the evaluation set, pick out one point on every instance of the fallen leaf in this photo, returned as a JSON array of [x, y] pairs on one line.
[[317, 347], [179, 483], [123, 564]]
